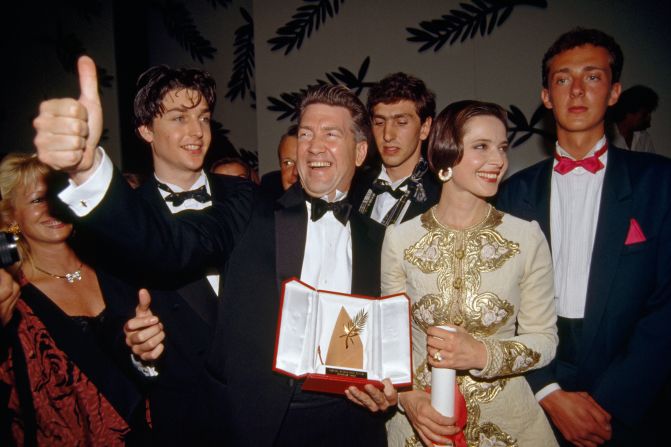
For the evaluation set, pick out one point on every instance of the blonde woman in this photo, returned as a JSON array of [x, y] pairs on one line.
[[68, 382]]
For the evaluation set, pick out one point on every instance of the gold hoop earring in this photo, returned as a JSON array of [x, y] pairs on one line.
[[14, 229], [445, 175]]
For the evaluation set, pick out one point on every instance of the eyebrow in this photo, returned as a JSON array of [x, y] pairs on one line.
[[584, 69], [487, 140], [185, 109], [396, 116]]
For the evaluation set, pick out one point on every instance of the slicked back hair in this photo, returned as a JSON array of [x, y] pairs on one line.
[[578, 37], [401, 86], [446, 139], [158, 81], [340, 96]]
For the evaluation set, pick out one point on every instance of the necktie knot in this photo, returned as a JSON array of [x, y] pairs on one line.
[[177, 198], [340, 209], [381, 186], [591, 164]]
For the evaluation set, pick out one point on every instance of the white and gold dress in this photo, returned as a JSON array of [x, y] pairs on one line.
[[495, 280]]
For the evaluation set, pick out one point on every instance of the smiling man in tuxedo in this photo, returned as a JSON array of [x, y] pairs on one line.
[[606, 213], [311, 233]]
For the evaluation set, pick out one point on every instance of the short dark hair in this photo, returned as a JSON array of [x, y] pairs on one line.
[[578, 37], [446, 138], [340, 96], [158, 81], [634, 99], [401, 86]]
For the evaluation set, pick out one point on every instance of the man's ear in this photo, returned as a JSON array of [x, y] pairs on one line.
[[615, 91], [361, 151], [146, 133], [545, 97], [425, 129]]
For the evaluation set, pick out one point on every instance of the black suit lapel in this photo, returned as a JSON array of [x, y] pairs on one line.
[[149, 192], [201, 298], [539, 198], [611, 233], [432, 189], [290, 233], [367, 238]]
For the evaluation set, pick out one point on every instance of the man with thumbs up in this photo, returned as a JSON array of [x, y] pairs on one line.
[[311, 233], [172, 110]]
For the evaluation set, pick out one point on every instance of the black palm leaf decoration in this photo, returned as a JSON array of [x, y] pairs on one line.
[[179, 24], [223, 147], [307, 17], [223, 3], [243, 65], [287, 104], [461, 24], [527, 128], [68, 48], [249, 157]]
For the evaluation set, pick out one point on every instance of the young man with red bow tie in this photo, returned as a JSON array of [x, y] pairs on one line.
[[606, 213]]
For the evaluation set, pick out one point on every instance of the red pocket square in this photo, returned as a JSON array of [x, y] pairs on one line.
[[635, 234]]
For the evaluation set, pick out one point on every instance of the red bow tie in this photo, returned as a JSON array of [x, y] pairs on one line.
[[591, 164]]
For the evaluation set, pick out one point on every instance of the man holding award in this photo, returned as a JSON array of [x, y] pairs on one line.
[[310, 233]]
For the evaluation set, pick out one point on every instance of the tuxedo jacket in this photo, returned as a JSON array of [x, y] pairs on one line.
[[623, 351], [127, 223], [364, 179], [187, 307], [253, 398], [249, 402]]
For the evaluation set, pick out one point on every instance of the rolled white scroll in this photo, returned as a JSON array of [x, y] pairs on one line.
[[442, 387]]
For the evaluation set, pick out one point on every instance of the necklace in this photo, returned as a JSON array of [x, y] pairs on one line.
[[69, 277]]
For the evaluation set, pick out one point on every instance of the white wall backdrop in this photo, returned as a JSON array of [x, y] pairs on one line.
[[503, 66]]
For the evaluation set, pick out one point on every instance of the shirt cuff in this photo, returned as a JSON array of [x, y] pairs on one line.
[[82, 199], [547, 389], [145, 370]]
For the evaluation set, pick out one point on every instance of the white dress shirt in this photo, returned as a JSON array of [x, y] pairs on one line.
[[327, 260], [192, 204], [575, 200], [385, 201], [574, 213], [641, 141]]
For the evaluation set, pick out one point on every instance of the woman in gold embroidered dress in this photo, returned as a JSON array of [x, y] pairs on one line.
[[487, 274]]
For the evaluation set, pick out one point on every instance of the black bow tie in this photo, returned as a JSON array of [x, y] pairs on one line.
[[177, 198], [340, 209], [382, 186]]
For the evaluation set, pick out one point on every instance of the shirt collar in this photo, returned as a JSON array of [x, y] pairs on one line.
[[339, 195], [200, 181], [384, 175], [599, 144]]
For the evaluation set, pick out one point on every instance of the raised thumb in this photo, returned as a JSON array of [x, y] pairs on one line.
[[144, 300], [88, 79]]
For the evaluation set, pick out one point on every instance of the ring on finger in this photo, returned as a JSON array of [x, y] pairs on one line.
[[437, 357]]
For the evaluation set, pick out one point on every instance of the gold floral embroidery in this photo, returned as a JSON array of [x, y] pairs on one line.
[[486, 312], [517, 358], [422, 376], [459, 257], [486, 433], [490, 435], [481, 391], [412, 441]]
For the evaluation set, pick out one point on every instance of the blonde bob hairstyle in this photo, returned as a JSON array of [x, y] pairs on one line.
[[18, 170]]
